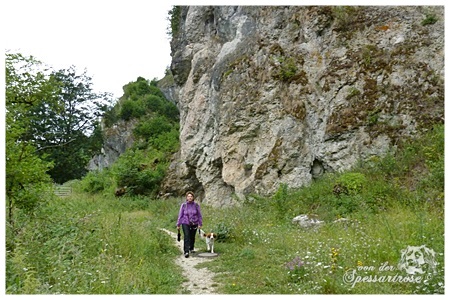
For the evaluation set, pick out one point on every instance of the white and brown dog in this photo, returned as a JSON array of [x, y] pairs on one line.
[[209, 238]]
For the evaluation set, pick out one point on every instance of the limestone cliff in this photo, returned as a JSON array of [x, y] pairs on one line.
[[117, 139], [272, 95]]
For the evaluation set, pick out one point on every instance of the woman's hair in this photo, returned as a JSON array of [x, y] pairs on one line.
[[190, 193]]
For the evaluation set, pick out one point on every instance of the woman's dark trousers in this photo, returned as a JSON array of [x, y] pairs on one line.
[[189, 232]]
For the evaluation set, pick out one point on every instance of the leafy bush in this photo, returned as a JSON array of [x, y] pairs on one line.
[[158, 104], [152, 127], [111, 116], [97, 181], [223, 231], [167, 142], [133, 90], [288, 69], [280, 199], [136, 169], [352, 182], [131, 109], [153, 103]]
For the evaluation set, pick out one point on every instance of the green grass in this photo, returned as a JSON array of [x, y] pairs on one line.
[[92, 245], [254, 260], [99, 244]]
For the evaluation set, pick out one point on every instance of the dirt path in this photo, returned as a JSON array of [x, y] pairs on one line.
[[199, 281]]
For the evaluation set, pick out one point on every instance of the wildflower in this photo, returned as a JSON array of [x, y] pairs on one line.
[[296, 263], [359, 263], [334, 257]]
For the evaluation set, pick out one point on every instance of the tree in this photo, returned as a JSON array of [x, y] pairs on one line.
[[55, 113], [26, 178], [63, 127]]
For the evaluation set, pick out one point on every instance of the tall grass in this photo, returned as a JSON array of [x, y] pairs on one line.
[[89, 244]]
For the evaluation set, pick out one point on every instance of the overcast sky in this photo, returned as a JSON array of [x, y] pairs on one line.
[[116, 41]]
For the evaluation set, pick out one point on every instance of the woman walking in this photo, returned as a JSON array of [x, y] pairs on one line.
[[190, 219]]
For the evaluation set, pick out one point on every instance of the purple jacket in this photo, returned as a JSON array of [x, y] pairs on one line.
[[190, 213]]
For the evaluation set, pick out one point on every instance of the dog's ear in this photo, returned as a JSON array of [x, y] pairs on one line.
[[214, 235]]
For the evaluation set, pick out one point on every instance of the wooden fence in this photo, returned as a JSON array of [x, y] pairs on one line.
[[63, 191]]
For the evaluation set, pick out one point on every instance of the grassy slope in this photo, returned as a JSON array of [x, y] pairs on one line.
[[88, 244]]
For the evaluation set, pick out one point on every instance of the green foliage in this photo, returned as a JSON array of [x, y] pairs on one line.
[[138, 171], [434, 158], [160, 105], [174, 18], [131, 109], [344, 16], [430, 19], [142, 98], [352, 182], [98, 181], [134, 90], [224, 232], [287, 70], [354, 92], [152, 128], [112, 115], [86, 244], [280, 199], [26, 180], [56, 112], [65, 135], [366, 56], [142, 168], [167, 142]]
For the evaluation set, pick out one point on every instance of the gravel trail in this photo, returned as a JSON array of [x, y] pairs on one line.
[[198, 281]]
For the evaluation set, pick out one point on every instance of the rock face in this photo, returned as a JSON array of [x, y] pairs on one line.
[[118, 138], [271, 95]]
